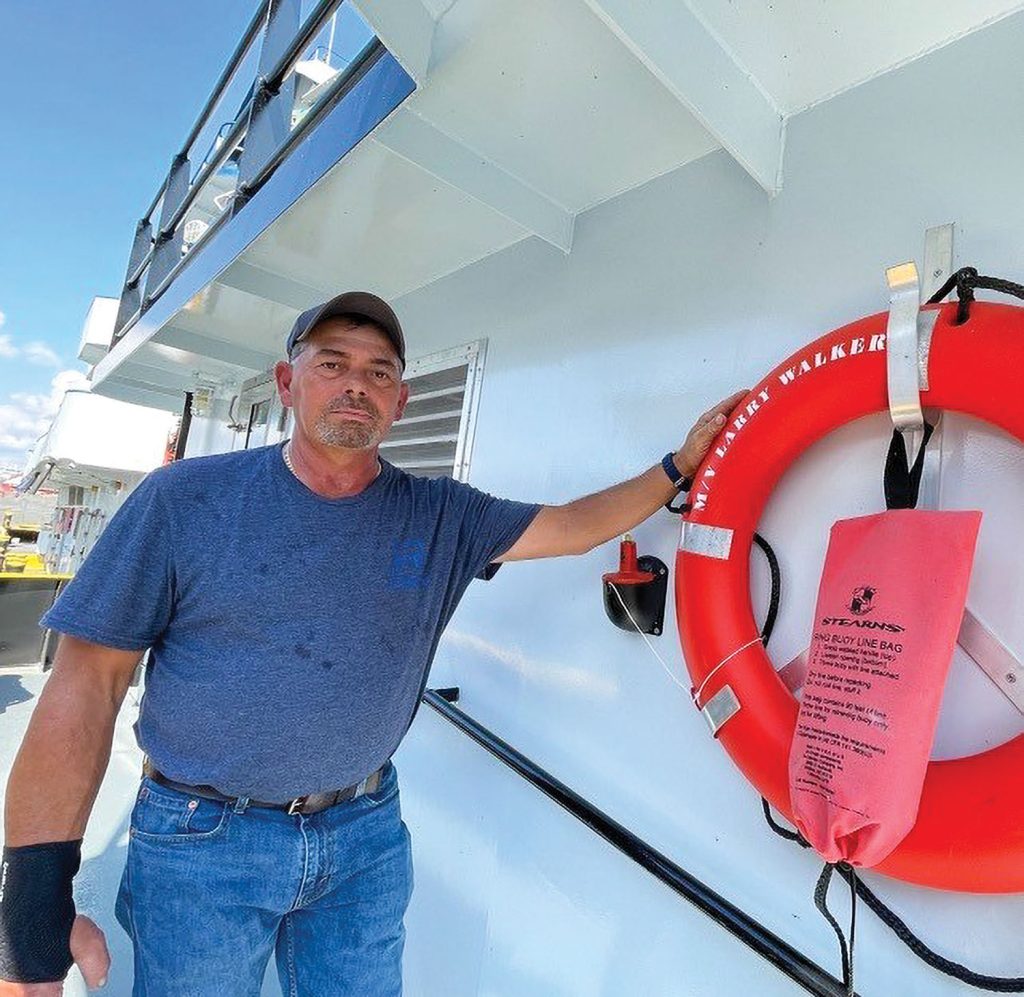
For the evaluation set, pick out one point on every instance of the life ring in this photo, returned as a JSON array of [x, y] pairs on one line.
[[969, 834]]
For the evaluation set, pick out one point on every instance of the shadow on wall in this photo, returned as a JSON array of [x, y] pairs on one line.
[[12, 692]]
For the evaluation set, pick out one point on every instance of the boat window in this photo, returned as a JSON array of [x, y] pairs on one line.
[[259, 412]]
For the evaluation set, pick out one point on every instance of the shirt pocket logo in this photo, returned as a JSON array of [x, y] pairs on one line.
[[408, 563]]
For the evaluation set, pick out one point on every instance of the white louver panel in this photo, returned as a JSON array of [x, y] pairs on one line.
[[435, 436]]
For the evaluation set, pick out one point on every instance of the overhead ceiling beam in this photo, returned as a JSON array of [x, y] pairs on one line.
[[270, 286], [407, 30], [681, 52], [214, 349], [408, 135], [140, 393], [159, 379]]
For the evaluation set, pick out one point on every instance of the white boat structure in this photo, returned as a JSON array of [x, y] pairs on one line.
[[595, 218], [96, 450]]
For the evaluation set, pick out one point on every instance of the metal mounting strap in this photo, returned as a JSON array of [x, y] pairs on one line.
[[902, 348], [720, 709]]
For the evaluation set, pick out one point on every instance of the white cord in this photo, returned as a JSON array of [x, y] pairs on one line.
[[724, 661], [654, 650]]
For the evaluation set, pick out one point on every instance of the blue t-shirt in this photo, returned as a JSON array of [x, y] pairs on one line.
[[291, 634]]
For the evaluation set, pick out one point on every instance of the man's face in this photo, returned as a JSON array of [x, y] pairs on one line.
[[345, 386]]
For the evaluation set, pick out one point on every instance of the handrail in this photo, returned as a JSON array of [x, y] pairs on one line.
[[783, 956], [144, 263], [309, 30], [252, 29], [212, 165], [344, 76], [265, 86], [366, 56], [224, 79]]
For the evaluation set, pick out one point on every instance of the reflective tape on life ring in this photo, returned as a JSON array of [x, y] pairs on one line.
[[969, 833]]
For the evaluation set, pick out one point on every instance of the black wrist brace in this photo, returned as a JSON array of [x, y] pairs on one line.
[[37, 911]]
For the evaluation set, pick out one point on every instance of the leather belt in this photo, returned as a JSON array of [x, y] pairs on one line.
[[309, 804]]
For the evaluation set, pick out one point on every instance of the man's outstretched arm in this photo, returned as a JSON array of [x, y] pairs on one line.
[[581, 525], [50, 793]]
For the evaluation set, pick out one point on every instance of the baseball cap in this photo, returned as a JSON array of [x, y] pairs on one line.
[[363, 303]]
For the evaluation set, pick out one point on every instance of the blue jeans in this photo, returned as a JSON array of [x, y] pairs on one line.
[[210, 890]]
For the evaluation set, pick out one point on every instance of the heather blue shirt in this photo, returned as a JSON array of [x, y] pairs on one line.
[[291, 634]]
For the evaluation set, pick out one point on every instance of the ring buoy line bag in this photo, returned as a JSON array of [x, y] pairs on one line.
[[969, 833], [892, 595]]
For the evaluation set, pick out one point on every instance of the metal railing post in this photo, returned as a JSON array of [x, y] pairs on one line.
[[131, 296], [270, 115], [167, 247]]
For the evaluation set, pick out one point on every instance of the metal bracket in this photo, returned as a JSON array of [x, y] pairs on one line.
[[994, 658], [708, 541], [938, 265], [720, 709], [902, 349]]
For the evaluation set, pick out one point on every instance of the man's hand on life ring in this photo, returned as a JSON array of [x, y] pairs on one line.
[[691, 454], [89, 950]]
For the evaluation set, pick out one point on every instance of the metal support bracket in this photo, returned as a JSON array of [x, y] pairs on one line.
[[270, 115], [994, 658], [131, 295], [167, 247], [720, 709], [938, 265]]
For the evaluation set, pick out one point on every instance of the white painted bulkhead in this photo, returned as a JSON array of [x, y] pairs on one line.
[[673, 295]]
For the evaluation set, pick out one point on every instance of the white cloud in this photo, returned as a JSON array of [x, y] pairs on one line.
[[39, 353], [27, 416], [36, 352]]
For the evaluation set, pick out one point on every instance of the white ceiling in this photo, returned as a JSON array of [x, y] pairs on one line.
[[548, 92], [526, 113], [804, 51]]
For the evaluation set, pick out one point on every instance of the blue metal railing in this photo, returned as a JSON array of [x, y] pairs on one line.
[[262, 134]]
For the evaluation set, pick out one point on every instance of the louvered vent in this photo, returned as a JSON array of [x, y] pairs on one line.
[[434, 437]]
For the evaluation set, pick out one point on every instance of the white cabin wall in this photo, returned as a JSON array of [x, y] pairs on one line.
[[212, 433], [674, 295]]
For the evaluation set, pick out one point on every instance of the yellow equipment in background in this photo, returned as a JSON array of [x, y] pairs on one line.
[[27, 590], [14, 559]]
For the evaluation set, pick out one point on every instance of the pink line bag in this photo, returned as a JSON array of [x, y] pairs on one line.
[[892, 595]]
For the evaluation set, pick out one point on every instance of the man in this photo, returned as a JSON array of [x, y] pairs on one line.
[[293, 598]]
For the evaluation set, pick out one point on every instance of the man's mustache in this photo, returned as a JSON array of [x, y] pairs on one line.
[[345, 405]]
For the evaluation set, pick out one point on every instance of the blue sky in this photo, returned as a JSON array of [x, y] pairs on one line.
[[94, 100]]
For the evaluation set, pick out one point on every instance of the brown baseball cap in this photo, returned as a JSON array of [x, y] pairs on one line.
[[377, 310]]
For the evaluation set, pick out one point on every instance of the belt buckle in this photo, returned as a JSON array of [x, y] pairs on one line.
[[296, 805]]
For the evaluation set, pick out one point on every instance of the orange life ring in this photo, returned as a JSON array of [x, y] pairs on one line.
[[969, 833]]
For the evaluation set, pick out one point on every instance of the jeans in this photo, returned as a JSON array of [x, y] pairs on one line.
[[210, 890]]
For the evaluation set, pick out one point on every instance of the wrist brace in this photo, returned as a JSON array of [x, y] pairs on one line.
[[37, 911]]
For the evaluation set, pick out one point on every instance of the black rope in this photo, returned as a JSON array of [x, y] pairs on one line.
[[965, 280], [773, 603], [782, 832], [997, 984], [821, 902]]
